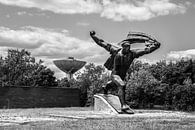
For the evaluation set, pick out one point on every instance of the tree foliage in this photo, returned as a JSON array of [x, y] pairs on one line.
[[19, 68], [63, 82], [183, 97], [141, 89], [170, 73], [163, 83], [91, 80]]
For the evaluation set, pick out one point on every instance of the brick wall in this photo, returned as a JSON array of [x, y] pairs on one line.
[[26, 97]]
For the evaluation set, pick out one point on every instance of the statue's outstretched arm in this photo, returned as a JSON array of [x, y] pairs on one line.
[[97, 40], [109, 47], [149, 49]]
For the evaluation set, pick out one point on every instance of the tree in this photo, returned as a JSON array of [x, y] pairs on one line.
[[63, 82], [158, 69], [19, 68], [140, 89], [183, 97], [91, 80], [169, 73]]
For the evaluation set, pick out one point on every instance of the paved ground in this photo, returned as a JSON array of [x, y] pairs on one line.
[[14, 117]]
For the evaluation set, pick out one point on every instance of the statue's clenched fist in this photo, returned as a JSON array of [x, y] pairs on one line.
[[92, 33]]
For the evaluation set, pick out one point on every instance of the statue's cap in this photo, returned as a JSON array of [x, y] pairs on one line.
[[125, 43], [132, 37]]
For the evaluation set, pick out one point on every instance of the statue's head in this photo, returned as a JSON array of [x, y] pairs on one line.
[[128, 41], [126, 46]]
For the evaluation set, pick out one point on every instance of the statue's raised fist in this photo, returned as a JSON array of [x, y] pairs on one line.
[[92, 33]]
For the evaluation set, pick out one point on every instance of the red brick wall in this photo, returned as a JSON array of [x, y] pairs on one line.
[[26, 97]]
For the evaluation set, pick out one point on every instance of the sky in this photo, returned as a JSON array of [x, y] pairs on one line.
[[58, 29]]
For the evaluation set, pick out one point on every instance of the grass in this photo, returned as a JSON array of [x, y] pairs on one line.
[[40, 118]]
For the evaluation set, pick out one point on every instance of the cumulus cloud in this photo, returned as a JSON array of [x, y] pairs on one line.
[[19, 38], [144, 60], [49, 44], [57, 6], [140, 10], [177, 55], [117, 10], [21, 13]]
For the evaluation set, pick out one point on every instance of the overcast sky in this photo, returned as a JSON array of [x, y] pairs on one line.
[[57, 29]]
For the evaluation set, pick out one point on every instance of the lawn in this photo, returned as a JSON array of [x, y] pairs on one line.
[[86, 118]]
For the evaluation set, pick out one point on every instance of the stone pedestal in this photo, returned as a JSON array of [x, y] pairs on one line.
[[107, 103]]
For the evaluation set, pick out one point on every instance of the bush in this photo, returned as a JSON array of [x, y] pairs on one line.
[[161, 91], [90, 82], [184, 97], [163, 84], [143, 91], [140, 91]]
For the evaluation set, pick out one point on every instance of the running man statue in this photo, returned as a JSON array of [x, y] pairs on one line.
[[121, 59]]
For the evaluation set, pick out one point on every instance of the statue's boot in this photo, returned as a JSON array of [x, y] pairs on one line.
[[129, 111], [126, 109]]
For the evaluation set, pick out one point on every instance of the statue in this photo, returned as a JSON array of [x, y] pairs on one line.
[[121, 58]]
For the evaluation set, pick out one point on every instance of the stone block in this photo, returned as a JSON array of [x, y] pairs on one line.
[[107, 103]]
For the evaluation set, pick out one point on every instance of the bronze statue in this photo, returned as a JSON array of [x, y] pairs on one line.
[[121, 58]]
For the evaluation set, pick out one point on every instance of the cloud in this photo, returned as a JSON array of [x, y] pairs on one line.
[[177, 55], [21, 13], [117, 10], [57, 6], [49, 44], [144, 60], [140, 10], [19, 38]]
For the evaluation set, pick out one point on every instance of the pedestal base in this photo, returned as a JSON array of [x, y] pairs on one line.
[[107, 103]]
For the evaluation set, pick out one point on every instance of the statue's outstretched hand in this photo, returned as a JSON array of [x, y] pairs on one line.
[[158, 44], [92, 33], [95, 38], [153, 44]]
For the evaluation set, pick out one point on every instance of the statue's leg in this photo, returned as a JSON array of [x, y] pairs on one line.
[[121, 90], [109, 85], [106, 87]]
